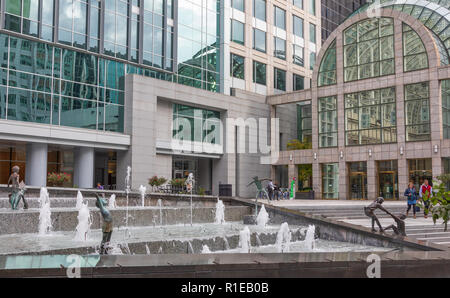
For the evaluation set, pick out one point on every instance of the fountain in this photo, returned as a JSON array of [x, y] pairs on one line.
[[142, 190], [112, 202], [147, 250], [83, 228], [283, 238], [309, 237], [160, 211], [205, 249], [45, 214], [127, 191], [244, 240], [263, 217], [220, 212], [79, 200]]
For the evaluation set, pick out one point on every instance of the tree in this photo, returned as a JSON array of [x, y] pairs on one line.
[[440, 201], [298, 145]]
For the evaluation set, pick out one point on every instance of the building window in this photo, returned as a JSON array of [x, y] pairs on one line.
[[414, 52], [259, 9], [279, 79], [312, 33], [330, 181], [304, 122], [312, 60], [115, 29], [328, 124], [22, 16], [357, 180], [196, 125], [369, 49], [279, 50], [297, 25], [259, 40], [327, 70], [299, 82], [238, 4], [237, 66], [259, 73], [72, 23], [298, 54], [445, 89], [237, 32], [279, 18], [370, 117], [417, 109], [153, 35], [419, 170], [312, 7], [298, 3]]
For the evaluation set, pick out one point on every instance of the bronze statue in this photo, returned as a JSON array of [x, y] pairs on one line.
[[258, 184], [400, 229], [18, 189], [107, 228], [370, 212]]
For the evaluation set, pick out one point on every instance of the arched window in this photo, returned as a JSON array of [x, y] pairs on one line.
[[369, 49], [414, 52], [327, 70]]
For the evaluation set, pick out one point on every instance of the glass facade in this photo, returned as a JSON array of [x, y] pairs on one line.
[[445, 91], [259, 73], [279, 79], [370, 117], [327, 70], [259, 40], [414, 53], [304, 122], [196, 125], [330, 181], [328, 123], [417, 109], [369, 49], [237, 66]]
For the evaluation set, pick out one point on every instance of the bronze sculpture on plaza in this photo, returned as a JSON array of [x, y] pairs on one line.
[[400, 229], [107, 227], [18, 189], [370, 212]]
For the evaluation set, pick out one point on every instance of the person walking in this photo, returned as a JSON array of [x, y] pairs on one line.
[[411, 195], [425, 193]]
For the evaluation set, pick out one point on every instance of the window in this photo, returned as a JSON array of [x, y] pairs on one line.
[[298, 53], [312, 33], [330, 181], [445, 89], [299, 82], [312, 60], [259, 73], [417, 109], [298, 3], [328, 122], [327, 70], [259, 9], [369, 49], [279, 50], [304, 122], [312, 7], [238, 4], [237, 66], [22, 16], [414, 52], [259, 40], [237, 32], [279, 79], [279, 18], [115, 29], [297, 26], [370, 117]]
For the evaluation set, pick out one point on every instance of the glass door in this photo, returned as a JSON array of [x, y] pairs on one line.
[[357, 180], [388, 179]]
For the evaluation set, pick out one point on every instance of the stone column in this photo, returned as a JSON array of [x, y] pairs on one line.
[[36, 167], [403, 176], [317, 180], [371, 180], [83, 172], [343, 180]]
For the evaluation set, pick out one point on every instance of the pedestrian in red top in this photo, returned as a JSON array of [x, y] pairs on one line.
[[425, 193]]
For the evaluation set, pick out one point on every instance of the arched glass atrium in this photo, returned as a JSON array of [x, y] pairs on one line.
[[380, 102]]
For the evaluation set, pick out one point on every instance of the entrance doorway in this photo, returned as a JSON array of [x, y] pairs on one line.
[[388, 179], [357, 180]]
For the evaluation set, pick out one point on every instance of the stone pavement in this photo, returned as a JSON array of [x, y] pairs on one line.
[[421, 229]]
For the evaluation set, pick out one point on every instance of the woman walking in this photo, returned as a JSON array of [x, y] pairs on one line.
[[411, 195]]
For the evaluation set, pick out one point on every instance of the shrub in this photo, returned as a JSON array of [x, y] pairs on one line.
[[58, 179]]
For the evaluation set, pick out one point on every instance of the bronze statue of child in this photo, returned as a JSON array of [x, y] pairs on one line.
[[107, 227], [370, 212]]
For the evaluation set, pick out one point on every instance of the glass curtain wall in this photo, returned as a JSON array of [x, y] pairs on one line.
[[414, 52], [417, 107], [327, 70], [328, 123], [304, 122], [330, 181]]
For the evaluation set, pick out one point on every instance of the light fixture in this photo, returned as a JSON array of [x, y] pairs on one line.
[[436, 148], [315, 155], [370, 152], [342, 154], [290, 157], [401, 150]]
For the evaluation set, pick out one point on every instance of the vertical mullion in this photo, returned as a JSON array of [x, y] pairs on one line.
[[40, 8], [55, 20], [88, 24], [2, 14], [101, 29], [141, 33]]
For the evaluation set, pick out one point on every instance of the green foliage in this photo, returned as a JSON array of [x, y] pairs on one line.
[[304, 172], [178, 182], [439, 202], [201, 191], [157, 181], [298, 145]]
